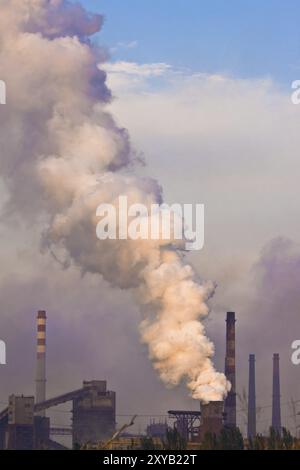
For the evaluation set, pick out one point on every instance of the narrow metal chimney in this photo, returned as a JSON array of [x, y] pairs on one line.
[[40, 394], [230, 401], [251, 431], [276, 411]]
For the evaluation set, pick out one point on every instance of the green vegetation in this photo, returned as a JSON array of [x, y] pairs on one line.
[[174, 441], [274, 441], [229, 439], [147, 443]]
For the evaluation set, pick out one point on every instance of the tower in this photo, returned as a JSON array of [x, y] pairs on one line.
[[230, 401], [251, 428], [276, 411], [40, 394]]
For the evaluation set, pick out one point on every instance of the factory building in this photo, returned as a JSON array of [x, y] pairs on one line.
[[94, 413], [20, 429], [24, 425]]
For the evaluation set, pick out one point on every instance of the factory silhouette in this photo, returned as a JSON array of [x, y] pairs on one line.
[[24, 424]]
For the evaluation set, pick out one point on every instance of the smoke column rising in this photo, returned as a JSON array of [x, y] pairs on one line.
[[62, 155]]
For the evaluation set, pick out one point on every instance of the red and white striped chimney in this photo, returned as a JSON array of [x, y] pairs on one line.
[[40, 394]]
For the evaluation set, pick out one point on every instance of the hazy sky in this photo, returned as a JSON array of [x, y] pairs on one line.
[[204, 90]]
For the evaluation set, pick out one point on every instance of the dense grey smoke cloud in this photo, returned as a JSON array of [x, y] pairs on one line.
[[63, 155], [277, 294], [50, 18]]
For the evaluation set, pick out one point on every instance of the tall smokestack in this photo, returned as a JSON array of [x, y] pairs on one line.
[[40, 394], [276, 412], [230, 401], [251, 431]]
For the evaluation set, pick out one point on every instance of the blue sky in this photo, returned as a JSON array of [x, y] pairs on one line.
[[243, 38]]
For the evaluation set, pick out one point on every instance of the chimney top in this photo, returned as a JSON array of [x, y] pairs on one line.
[[41, 314], [230, 317]]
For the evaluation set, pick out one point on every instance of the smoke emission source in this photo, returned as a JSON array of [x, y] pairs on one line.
[[63, 155]]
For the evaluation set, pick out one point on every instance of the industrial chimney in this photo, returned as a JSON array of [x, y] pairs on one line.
[[230, 401], [251, 430], [276, 411], [40, 394], [211, 419]]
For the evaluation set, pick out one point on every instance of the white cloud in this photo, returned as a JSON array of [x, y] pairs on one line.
[[123, 45], [127, 45], [132, 68], [130, 75]]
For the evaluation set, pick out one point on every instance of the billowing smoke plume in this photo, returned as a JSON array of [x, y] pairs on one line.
[[62, 155]]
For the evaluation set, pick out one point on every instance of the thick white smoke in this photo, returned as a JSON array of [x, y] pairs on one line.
[[62, 155]]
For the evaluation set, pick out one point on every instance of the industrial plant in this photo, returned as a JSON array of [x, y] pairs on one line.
[[24, 424]]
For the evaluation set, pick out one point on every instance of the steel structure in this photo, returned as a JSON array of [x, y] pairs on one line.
[[186, 422]]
